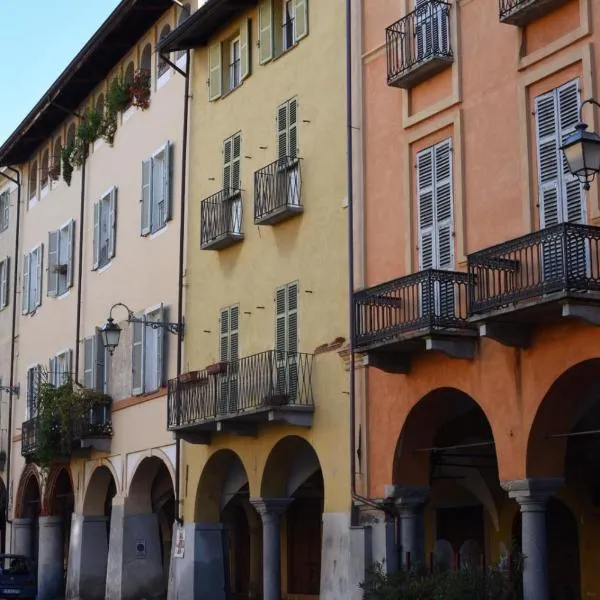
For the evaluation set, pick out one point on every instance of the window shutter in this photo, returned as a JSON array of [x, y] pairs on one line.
[[292, 318], [146, 195], [167, 182], [234, 332], [5, 283], [224, 337], [40, 264], [160, 349], [245, 45], [89, 362], [68, 366], [293, 128], [215, 80], [235, 162], [280, 320], [227, 156], [112, 223], [137, 358], [443, 204], [425, 207], [100, 356], [301, 10], [25, 299], [548, 159], [97, 208], [53, 241], [70, 252], [52, 366], [282, 131], [265, 31]]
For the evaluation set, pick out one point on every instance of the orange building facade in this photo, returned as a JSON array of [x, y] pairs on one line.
[[477, 281]]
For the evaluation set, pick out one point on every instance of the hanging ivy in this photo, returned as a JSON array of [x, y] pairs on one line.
[[90, 128], [67, 166]]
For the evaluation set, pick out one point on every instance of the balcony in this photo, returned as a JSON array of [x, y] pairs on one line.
[[238, 397], [221, 220], [420, 312], [92, 430], [277, 191], [419, 45], [537, 278], [522, 12]]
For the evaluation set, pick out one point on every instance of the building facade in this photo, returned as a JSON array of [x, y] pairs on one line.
[[263, 404], [92, 486], [476, 308]]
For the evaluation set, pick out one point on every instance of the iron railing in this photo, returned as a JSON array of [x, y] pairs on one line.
[[422, 34], [253, 383], [221, 216], [277, 187], [564, 258], [428, 300], [507, 7]]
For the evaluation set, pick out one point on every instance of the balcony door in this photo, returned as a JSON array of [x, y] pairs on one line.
[[436, 227], [229, 353], [232, 149], [286, 343], [431, 33], [561, 197]]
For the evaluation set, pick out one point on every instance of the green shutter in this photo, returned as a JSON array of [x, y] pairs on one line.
[[301, 10], [100, 354], [70, 252], [167, 181], [146, 195], [112, 223], [265, 31], [160, 348], [25, 299], [245, 49], [39, 252], [215, 78], [4, 282], [227, 158], [53, 242]]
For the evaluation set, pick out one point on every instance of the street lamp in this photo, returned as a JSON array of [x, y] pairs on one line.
[[582, 150], [111, 332]]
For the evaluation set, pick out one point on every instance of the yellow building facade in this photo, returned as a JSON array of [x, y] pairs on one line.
[[263, 404]]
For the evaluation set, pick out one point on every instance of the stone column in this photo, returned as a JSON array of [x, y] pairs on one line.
[[22, 538], [532, 496], [270, 511], [255, 562], [410, 501], [50, 559]]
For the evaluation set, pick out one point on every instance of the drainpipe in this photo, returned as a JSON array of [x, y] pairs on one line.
[[356, 498], [80, 267], [17, 180]]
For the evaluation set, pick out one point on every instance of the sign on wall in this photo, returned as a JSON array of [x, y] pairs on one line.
[[179, 546]]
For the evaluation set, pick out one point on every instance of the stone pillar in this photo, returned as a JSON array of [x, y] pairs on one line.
[[410, 501], [255, 561], [50, 559], [88, 557], [270, 511], [335, 557], [532, 496], [22, 538]]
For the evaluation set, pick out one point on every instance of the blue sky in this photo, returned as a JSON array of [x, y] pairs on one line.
[[39, 39]]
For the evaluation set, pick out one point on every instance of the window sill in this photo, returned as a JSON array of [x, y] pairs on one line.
[[104, 268], [44, 191], [163, 79], [63, 295], [229, 92], [32, 202], [157, 233], [285, 52], [140, 399]]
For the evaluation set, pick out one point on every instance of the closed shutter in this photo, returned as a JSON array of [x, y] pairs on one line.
[[70, 231], [215, 80], [234, 357], [25, 299], [39, 252], [137, 358], [293, 128], [301, 10], [160, 348], [89, 362], [168, 182], [443, 203], [112, 223], [68, 367], [265, 31], [5, 283], [235, 162], [224, 356], [53, 371], [282, 133], [53, 242], [227, 156], [245, 52], [96, 261], [100, 371], [286, 340], [425, 208], [146, 195], [292, 341]]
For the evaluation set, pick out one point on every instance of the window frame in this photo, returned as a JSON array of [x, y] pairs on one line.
[[106, 204], [141, 332], [4, 282], [33, 303], [66, 279], [65, 356], [149, 228]]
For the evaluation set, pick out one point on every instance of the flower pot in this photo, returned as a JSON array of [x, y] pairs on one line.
[[190, 376], [217, 368]]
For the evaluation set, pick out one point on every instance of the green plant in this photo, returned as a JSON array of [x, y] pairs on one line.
[[109, 127], [90, 127], [78, 152], [139, 89], [117, 97], [67, 166]]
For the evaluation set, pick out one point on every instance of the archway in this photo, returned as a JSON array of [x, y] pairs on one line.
[[223, 498], [293, 471], [27, 512]]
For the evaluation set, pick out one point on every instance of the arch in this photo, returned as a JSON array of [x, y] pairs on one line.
[[70, 135], [58, 483], [33, 179], [28, 493], [222, 478], [163, 65], [143, 495], [45, 167], [101, 488], [100, 103], [128, 80], [56, 157], [570, 397], [146, 58]]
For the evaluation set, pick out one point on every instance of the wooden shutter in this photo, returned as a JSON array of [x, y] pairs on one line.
[[97, 210], [112, 223], [215, 79], [89, 362], [137, 358], [224, 336], [293, 128], [146, 195], [25, 299], [53, 244], [160, 348], [70, 231], [301, 10], [425, 208], [235, 162], [292, 318], [99, 370], [52, 368], [443, 204], [5, 283], [280, 319], [245, 49], [227, 157], [282, 131], [39, 251], [265, 31], [167, 182]]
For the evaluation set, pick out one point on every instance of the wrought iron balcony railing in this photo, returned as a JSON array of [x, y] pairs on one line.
[[522, 12], [419, 44], [277, 191], [221, 220], [427, 301], [562, 260], [256, 383]]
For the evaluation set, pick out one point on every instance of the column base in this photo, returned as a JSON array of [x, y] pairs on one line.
[[22, 537]]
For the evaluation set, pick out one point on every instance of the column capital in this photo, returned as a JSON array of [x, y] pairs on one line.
[[532, 493], [407, 496], [270, 507]]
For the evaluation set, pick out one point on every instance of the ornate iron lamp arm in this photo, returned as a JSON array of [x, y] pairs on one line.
[[588, 101], [174, 328]]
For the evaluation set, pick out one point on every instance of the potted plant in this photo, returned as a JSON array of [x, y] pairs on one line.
[[139, 89], [191, 376], [54, 171], [217, 368], [67, 166], [117, 97], [90, 128], [78, 152]]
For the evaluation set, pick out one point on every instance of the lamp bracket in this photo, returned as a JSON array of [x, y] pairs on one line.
[[588, 101], [15, 389], [174, 328]]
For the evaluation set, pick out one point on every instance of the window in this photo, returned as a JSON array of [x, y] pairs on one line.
[[105, 228], [94, 361], [432, 35], [229, 63], [32, 279], [146, 59], [55, 168], [281, 25], [60, 259], [156, 190], [127, 81], [148, 356], [287, 130], [4, 209], [33, 173], [232, 148], [162, 64], [71, 135], [286, 340], [59, 368], [229, 352], [44, 170], [34, 377], [4, 282]]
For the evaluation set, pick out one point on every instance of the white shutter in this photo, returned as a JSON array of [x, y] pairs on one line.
[[443, 204], [146, 195], [167, 182], [53, 244], [245, 54], [227, 158], [215, 78], [137, 358], [301, 10], [97, 209], [25, 299], [39, 251], [425, 205], [89, 362], [265, 31], [70, 252], [99, 367], [112, 223]]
